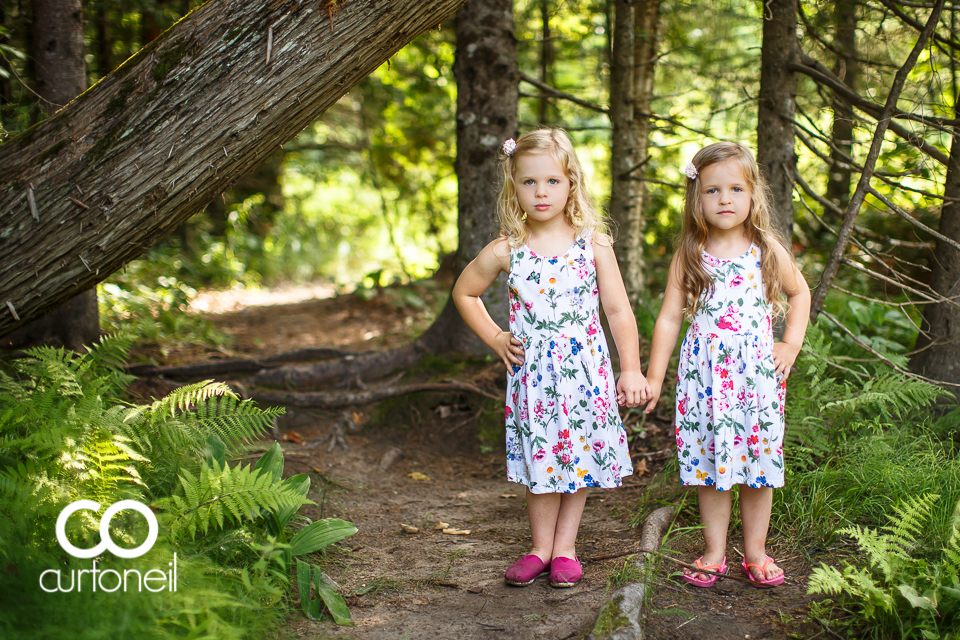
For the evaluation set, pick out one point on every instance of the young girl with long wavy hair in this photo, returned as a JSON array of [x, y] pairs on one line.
[[727, 278]]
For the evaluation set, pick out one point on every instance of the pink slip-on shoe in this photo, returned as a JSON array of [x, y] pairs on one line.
[[712, 578], [565, 572], [761, 584], [525, 570]]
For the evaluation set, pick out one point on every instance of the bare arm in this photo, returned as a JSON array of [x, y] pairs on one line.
[[632, 388], [665, 334], [798, 297], [472, 283]]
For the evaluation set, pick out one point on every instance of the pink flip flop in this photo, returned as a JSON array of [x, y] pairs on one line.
[[709, 582], [761, 584]]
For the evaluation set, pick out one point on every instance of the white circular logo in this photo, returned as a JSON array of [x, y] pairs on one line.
[[106, 542]]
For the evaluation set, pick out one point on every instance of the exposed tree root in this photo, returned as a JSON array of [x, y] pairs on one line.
[[237, 365], [336, 400], [366, 364]]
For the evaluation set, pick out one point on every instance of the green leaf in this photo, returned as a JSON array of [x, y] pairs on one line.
[[916, 599], [271, 462], [334, 601], [320, 534], [303, 585], [215, 450]]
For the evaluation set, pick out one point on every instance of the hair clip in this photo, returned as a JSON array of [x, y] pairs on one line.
[[509, 146], [691, 171]]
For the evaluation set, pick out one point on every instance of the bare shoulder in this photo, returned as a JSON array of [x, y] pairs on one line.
[[496, 254], [602, 240]]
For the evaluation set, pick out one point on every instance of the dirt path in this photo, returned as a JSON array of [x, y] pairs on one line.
[[434, 585]]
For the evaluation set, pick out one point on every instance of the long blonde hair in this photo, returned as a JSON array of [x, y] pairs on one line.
[[694, 280], [579, 209]]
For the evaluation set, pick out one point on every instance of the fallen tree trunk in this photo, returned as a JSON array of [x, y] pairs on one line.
[[132, 158]]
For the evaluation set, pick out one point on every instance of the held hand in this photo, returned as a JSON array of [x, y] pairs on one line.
[[654, 396], [632, 389], [510, 350], [784, 355]]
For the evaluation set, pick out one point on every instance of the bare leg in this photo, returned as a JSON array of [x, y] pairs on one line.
[[543, 509], [554, 522], [755, 507], [568, 524], [715, 516]]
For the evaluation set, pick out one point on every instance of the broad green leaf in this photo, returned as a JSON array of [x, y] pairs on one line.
[[271, 462], [320, 534], [334, 601], [916, 599], [215, 450], [311, 608]]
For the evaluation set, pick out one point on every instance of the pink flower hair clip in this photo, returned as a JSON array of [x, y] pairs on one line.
[[509, 146], [691, 171]]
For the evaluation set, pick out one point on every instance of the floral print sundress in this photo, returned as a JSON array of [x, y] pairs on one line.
[[729, 418], [563, 425]]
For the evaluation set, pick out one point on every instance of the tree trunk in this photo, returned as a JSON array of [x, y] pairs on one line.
[[775, 133], [938, 344], [647, 22], [129, 160], [847, 69], [546, 61], [487, 95], [61, 76], [624, 156]]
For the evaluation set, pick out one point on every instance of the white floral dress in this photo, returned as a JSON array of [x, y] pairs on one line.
[[563, 425], [729, 419]]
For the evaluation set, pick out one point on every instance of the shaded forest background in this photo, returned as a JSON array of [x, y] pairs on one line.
[[365, 202]]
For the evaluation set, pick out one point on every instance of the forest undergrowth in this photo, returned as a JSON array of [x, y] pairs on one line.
[[228, 547]]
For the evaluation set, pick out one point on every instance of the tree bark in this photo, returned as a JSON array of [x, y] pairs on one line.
[[645, 45], [938, 344], [487, 95], [61, 76], [129, 160], [624, 155], [775, 134], [848, 70]]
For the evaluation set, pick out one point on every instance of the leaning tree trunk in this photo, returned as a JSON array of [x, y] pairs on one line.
[[775, 133], [938, 345], [124, 164], [487, 95], [61, 76]]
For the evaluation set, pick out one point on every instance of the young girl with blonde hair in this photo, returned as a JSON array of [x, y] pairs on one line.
[[727, 277], [564, 431]]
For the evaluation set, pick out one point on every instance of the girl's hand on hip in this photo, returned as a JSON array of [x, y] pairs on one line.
[[632, 389], [510, 350], [654, 396], [784, 355]]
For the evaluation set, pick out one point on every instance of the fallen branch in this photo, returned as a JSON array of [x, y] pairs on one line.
[[625, 604]]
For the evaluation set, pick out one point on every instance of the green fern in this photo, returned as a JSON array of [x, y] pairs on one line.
[[222, 495], [899, 589]]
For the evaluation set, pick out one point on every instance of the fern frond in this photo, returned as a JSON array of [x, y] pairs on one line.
[[229, 494]]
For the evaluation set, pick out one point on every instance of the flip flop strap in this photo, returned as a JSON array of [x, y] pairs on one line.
[[710, 567], [763, 569]]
